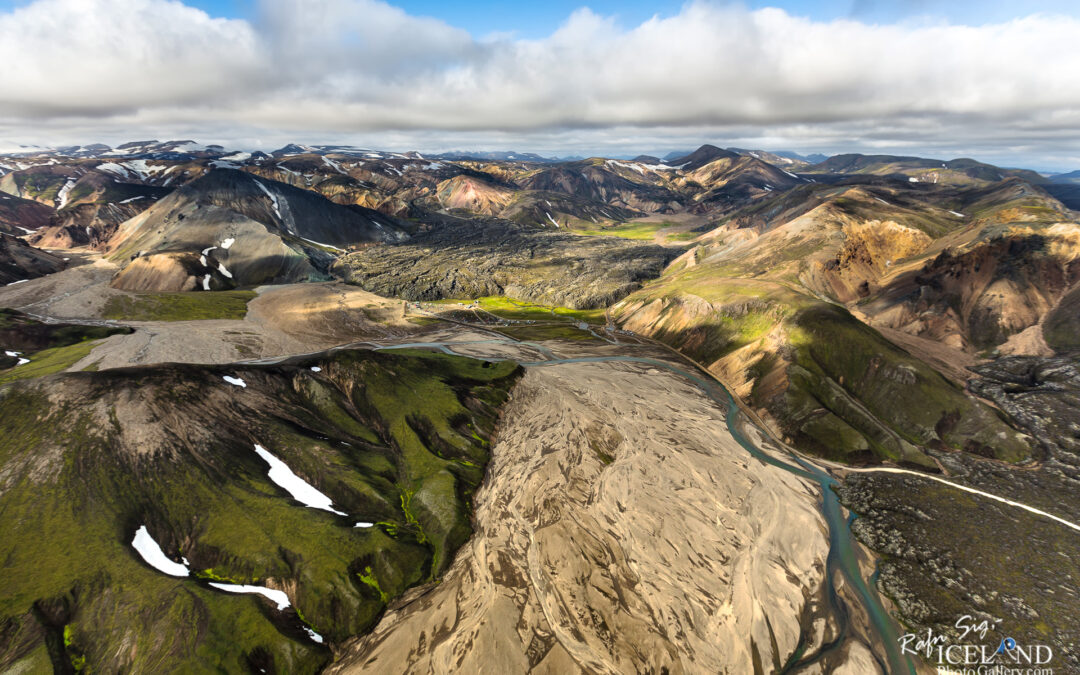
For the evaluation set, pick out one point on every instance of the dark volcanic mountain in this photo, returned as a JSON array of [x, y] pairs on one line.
[[230, 229], [22, 216], [701, 157], [599, 180], [20, 261]]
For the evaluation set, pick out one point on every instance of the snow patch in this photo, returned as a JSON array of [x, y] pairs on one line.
[[625, 165], [334, 165], [227, 243], [312, 241], [551, 219], [957, 214], [225, 272], [113, 168], [364, 523], [62, 195], [277, 597], [316, 369], [28, 231], [272, 196], [234, 380], [146, 547], [20, 281], [206, 283], [128, 201], [296, 486], [313, 635]]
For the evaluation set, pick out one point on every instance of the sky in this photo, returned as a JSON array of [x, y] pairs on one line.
[[991, 80]]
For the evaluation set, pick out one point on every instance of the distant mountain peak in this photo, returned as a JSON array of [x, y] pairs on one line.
[[702, 156]]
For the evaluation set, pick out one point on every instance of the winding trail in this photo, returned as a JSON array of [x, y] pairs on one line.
[[958, 486]]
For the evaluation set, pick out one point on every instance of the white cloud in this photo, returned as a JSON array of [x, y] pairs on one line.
[[327, 69], [94, 57]]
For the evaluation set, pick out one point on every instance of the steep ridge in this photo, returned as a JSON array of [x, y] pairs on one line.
[[46, 184], [978, 295], [727, 183]]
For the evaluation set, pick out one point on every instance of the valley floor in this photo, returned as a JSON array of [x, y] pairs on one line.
[[621, 528], [279, 320]]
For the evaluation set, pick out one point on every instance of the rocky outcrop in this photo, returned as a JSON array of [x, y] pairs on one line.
[[981, 294], [869, 249]]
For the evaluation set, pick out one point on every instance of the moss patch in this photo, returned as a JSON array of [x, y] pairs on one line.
[[49, 361], [643, 231], [522, 310], [179, 306]]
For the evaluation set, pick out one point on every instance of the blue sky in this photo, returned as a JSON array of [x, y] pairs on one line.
[[537, 19]]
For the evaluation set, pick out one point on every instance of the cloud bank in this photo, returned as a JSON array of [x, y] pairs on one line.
[[363, 69]]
